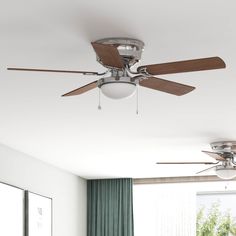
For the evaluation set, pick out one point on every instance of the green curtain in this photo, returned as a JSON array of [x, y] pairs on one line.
[[110, 207]]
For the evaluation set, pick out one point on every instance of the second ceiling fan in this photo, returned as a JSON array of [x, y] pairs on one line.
[[224, 165], [118, 55]]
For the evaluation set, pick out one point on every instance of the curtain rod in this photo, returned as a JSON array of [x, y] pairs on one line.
[[182, 179]]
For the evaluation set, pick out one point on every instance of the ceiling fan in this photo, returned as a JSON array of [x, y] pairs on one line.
[[224, 155], [118, 55]]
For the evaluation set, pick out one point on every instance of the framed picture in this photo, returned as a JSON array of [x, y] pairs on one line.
[[11, 210], [38, 215]]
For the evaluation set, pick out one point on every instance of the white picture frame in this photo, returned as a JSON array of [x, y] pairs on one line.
[[11, 210], [38, 215]]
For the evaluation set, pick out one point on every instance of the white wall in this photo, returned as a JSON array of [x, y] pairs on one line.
[[67, 191]]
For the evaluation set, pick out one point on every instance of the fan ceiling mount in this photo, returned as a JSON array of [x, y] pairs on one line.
[[224, 155], [118, 56], [129, 49], [224, 146]]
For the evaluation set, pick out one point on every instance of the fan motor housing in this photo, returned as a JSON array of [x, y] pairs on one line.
[[224, 146], [129, 49]]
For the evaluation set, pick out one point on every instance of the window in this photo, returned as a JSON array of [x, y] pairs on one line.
[[170, 209]]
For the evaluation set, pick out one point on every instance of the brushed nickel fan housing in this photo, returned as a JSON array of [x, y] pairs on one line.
[[120, 79], [224, 146], [129, 49]]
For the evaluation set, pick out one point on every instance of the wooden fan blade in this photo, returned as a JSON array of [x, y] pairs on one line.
[[184, 66], [82, 89], [186, 163], [109, 55], [166, 86], [60, 71], [205, 170], [215, 155]]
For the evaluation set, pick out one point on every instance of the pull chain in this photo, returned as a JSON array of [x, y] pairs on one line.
[[137, 99], [99, 99]]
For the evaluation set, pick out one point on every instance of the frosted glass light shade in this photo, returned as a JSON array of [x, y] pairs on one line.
[[228, 172], [118, 89]]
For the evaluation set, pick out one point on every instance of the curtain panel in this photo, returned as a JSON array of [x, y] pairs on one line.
[[110, 207]]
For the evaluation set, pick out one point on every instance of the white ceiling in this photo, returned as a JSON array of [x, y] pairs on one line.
[[71, 132]]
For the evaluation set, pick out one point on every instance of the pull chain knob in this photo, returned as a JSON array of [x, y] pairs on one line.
[[99, 99], [137, 99]]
